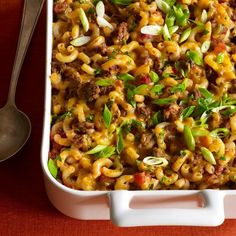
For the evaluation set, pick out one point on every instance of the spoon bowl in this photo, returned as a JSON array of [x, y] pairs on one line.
[[15, 129]]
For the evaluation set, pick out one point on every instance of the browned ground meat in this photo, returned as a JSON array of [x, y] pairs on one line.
[[82, 142], [232, 4], [147, 140], [122, 33], [83, 127], [90, 91], [104, 90], [144, 112], [171, 112]]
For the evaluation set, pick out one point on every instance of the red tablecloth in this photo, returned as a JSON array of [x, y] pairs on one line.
[[24, 207]]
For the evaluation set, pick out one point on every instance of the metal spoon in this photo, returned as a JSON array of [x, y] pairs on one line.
[[15, 126]]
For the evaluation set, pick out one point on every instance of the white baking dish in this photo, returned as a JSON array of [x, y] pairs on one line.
[[131, 208]]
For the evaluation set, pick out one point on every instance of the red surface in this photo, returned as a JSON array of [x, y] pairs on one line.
[[24, 207]]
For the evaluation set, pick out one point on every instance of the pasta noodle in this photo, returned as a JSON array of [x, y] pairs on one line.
[[143, 94]]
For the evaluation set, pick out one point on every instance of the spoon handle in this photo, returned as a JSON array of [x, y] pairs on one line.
[[31, 12]]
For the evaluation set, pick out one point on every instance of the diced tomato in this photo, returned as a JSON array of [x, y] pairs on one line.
[[141, 177], [219, 47], [60, 7], [144, 79]]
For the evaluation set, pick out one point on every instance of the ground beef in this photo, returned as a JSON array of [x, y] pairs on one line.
[[60, 7], [232, 4], [232, 88], [82, 142], [147, 140], [90, 91], [83, 127], [171, 112], [122, 33], [144, 112], [104, 90]]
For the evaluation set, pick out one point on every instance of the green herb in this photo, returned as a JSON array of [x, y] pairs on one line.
[[156, 118], [170, 19], [130, 97], [104, 82], [220, 132], [229, 112], [220, 58], [205, 93], [181, 15], [65, 115], [189, 139], [173, 29], [106, 152], [126, 77], [208, 156], [195, 57], [53, 169], [185, 35], [187, 112], [223, 158], [107, 116], [83, 19], [170, 2], [96, 149], [157, 89], [141, 89], [122, 2], [179, 87], [163, 6], [166, 33], [120, 141], [154, 77], [90, 11], [97, 71], [90, 117], [205, 46], [198, 132], [164, 101]]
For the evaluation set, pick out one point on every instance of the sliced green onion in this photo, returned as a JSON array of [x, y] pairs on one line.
[[80, 41], [220, 58], [104, 82], [189, 139], [96, 149], [164, 101], [195, 57], [83, 19], [151, 29], [163, 6], [220, 132], [141, 89], [217, 109], [208, 156], [157, 89], [185, 35], [205, 93], [104, 23], [170, 19], [53, 169], [107, 116], [198, 132], [106, 152], [154, 77], [120, 141], [205, 46], [187, 112], [156, 118], [100, 9], [173, 29], [204, 16], [155, 161], [122, 2], [126, 77], [166, 33]]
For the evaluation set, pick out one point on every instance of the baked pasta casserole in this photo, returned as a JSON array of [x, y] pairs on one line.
[[143, 94]]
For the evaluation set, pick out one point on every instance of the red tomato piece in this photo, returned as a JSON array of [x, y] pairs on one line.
[[144, 79]]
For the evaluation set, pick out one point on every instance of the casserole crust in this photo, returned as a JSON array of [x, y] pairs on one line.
[[143, 95]]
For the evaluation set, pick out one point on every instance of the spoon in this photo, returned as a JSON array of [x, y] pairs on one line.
[[15, 126]]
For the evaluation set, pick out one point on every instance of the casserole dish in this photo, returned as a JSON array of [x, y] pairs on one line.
[[207, 207]]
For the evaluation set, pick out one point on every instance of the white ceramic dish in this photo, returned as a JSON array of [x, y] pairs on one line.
[[131, 208]]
